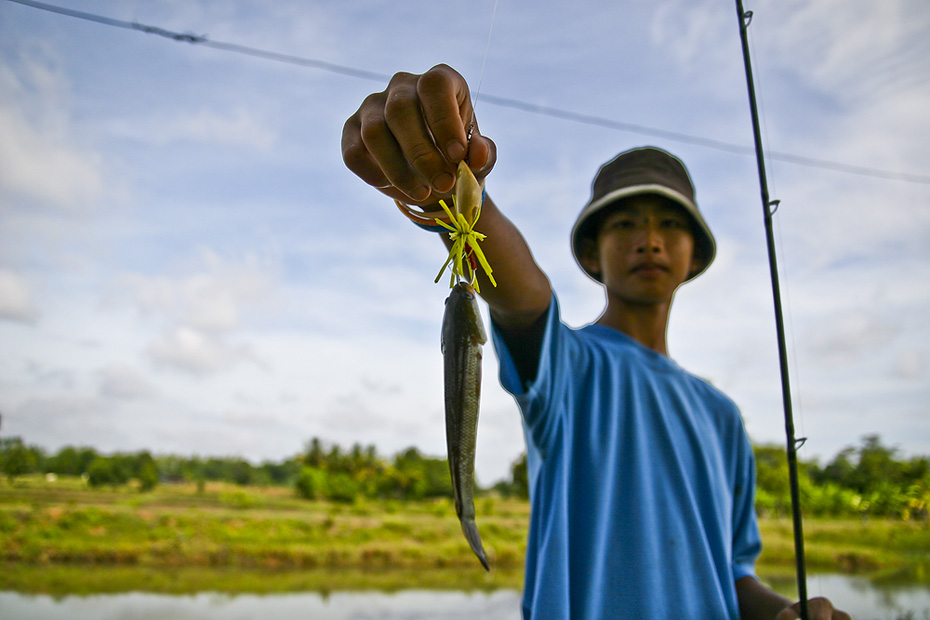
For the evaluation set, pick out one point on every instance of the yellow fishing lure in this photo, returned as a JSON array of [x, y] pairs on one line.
[[459, 219]]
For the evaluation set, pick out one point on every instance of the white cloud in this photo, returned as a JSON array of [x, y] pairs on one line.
[[238, 127], [123, 382], [197, 352], [50, 378], [846, 338], [39, 156], [852, 49], [688, 29], [55, 421], [910, 364], [16, 300], [211, 297]]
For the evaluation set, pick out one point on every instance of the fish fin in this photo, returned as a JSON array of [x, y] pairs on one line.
[[474, 540]]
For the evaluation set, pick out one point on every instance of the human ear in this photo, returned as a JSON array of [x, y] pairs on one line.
[[588, 257], [695, 265]]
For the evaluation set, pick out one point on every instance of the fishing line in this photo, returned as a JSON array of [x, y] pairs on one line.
[[763, 117], [768, 206], [794, 368], [789, 312], [562, 114], [484, 64]]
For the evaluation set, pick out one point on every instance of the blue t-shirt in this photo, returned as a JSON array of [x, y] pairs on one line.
[[642, 483]]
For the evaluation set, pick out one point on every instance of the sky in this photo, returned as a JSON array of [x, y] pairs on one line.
[[187, 267]]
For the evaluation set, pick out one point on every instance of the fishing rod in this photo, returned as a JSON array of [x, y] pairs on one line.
[[769, 207]]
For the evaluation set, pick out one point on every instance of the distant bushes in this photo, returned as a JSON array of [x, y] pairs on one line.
[[321, 472], [868, 480], [343, 476], [119, 469], [141, 468]]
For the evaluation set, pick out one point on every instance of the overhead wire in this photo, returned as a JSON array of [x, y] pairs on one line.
[[517, 104]]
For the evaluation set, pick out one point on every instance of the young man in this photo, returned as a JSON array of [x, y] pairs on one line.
[[641, 475]]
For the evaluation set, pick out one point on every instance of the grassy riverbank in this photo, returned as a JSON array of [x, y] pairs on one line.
[[228, 538]]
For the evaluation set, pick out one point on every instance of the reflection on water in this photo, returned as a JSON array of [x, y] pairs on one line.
[[863, 599], [869, 601], [406, 605]]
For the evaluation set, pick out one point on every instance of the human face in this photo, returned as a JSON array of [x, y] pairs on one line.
[[644, 250]]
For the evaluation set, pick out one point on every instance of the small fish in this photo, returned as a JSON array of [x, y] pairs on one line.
[[463, 334]]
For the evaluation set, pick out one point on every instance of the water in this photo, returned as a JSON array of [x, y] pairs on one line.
[[867, 601], [405, 605], [860, 597]]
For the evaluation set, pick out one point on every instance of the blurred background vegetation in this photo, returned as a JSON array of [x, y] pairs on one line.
[[870, 479]]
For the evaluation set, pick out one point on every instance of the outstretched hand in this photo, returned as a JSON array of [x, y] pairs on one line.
[[408, 139]]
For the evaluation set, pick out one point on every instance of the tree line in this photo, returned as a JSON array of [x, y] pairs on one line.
[[120, 468], [870, 479], [321, 471]]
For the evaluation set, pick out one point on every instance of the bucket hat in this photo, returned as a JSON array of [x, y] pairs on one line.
[[646, 170]]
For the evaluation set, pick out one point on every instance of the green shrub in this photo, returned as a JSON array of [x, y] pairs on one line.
[[105, 470], [311, 483], [343, 488]]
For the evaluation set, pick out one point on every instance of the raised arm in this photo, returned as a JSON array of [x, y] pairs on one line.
[[407, 141]]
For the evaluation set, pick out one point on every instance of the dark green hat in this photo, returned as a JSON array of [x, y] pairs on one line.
[[646, 170]]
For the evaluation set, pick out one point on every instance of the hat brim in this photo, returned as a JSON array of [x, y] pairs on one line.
[[705, 246]]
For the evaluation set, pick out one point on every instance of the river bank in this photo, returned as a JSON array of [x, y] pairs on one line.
[[228, 538]]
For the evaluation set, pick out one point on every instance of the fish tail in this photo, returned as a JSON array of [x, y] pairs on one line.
[[474, 540]]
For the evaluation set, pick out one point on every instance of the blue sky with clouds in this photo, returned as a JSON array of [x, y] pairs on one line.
[[186, 265]]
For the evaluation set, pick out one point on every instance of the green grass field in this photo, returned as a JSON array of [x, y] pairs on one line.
[[227, 538]]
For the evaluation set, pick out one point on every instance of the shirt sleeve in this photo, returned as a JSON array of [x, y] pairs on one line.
[[536, 398], [747, 542]]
